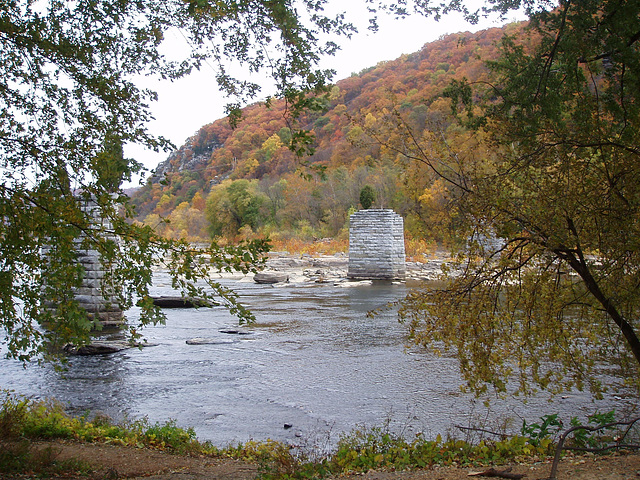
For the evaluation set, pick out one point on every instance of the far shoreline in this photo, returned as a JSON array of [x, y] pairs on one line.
[[333, 268]]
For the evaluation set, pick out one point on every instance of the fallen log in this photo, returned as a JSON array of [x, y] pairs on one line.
[[180, 302], [492, 472]]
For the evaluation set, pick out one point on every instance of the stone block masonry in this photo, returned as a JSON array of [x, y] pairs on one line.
[[376, 245], [99, 306]]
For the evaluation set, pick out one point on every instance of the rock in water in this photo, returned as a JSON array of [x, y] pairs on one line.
[[270, 277], [235, 331], [209, 341], [97, 348]]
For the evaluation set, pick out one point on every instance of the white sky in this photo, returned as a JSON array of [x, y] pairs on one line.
[[186, 105]]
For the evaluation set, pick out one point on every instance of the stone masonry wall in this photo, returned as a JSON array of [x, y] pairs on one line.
[[89, 295], [376, 245]]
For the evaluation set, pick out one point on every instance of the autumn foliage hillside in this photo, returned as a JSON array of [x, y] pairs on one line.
[[243, 182]]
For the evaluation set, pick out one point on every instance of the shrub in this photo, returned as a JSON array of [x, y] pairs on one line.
[[367, 196]]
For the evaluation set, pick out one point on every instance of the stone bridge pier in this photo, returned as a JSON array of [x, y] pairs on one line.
[[89, 295], [99, 306], [376, 245]]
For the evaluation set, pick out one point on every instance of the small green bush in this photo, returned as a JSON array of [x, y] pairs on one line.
[[21, 418], [367, 196]]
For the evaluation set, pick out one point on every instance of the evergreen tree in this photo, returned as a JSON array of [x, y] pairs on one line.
[[367, 196]]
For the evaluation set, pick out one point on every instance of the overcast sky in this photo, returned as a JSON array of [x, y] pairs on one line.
[[186, 105]]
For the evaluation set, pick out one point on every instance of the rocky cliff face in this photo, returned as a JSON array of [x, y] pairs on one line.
[[191, 156]]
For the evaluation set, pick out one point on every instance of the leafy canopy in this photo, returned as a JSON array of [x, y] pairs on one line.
[[233, 205], [541, 167], [69, 102]]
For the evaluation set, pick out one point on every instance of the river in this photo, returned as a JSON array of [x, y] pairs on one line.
[[314, 366]]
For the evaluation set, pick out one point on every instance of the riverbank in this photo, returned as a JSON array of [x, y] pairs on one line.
[[38, 439], [113, 461]]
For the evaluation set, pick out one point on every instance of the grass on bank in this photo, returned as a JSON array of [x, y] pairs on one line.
[[23, 420]]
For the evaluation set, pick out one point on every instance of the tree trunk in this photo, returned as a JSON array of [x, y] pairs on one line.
[[581, 268]]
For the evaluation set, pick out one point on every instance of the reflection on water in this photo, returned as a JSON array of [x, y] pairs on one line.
[[314, 361]]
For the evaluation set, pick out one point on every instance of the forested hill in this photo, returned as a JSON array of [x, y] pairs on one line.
[[243, 181]]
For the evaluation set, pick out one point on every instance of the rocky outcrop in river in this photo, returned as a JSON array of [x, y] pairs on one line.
[[284, 267]]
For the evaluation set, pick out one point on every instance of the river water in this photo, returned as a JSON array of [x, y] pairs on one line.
[[315, 363]]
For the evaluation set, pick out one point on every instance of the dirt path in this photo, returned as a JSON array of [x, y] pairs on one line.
[[116, 462]]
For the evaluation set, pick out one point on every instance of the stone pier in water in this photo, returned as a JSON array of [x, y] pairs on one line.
[[89, 295], [376, 245]]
